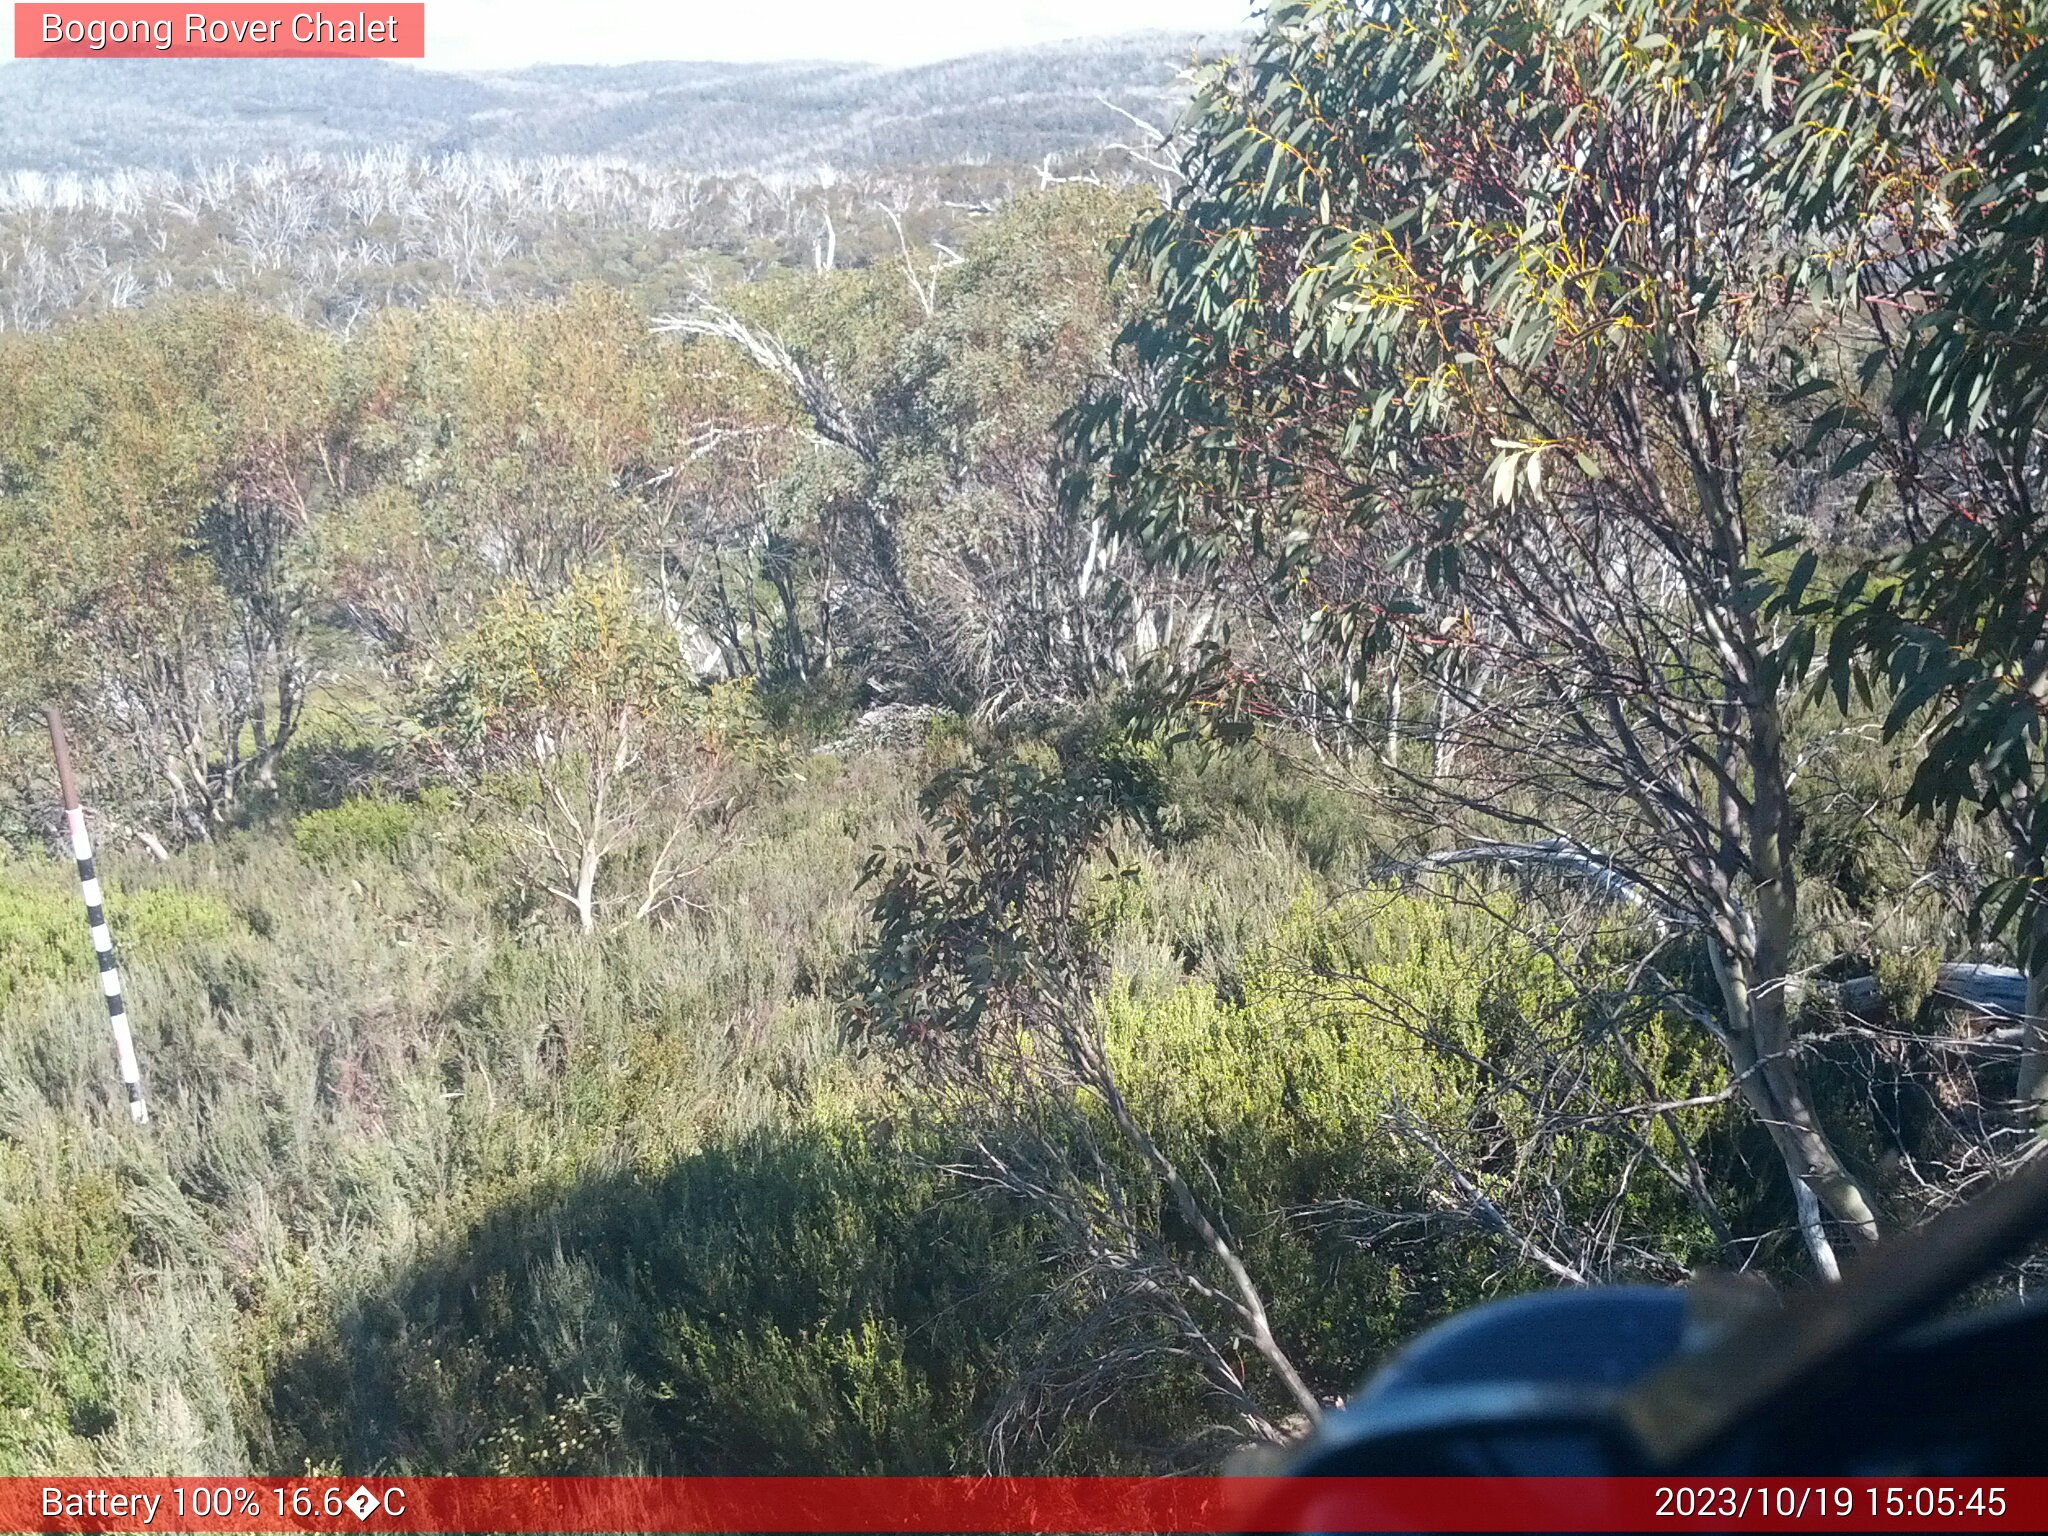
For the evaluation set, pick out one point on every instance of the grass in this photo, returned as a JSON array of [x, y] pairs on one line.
[[347, 1053], [435, 1185]]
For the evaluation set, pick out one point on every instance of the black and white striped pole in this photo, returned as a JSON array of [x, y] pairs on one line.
[[96, 916]]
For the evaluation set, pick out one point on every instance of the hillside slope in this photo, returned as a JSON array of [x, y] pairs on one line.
[[71, 115]]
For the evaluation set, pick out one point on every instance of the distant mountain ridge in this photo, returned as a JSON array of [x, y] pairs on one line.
[[1024, 104]]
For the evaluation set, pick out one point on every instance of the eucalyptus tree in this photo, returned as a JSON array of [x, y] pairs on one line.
[[1944, 422], [167, 476], [930, 394], [575, 714], [515, 446], [1473, 329]]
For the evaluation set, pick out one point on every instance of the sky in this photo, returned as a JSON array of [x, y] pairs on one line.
[[507, 34]]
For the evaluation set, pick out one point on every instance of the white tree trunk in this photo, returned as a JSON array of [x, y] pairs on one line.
[[586, 890]]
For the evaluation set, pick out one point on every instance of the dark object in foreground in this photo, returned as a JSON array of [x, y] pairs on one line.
[[1860, 1378]]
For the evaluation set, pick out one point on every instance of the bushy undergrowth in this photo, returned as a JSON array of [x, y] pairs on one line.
[[351, 1057], [434, 1186], [362, 826]]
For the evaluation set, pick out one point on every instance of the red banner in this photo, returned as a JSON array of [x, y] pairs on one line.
[[264, 31], [1020, 1504]]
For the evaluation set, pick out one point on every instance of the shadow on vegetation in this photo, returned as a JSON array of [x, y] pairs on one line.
[[801, 1301]]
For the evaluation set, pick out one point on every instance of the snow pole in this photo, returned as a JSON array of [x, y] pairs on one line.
[[96, 917]]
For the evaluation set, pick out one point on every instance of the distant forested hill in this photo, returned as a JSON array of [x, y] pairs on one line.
[[67, 115]]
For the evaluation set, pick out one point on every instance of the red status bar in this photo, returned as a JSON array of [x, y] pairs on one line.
[[239, 31], [1019, 1504]]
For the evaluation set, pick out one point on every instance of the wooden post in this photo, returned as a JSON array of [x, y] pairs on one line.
[[96, 916]]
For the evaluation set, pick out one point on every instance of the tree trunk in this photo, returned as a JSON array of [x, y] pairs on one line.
[[1391, 752], [586, 890], [1752, 963], [2033, 1086], [1440, 750], [1775, 1087]]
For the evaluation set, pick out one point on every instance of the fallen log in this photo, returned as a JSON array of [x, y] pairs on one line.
[[1995, 991], [1558, 857]]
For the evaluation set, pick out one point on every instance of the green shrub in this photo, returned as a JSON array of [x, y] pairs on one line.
[[361, 827], [62, 1238], [163, 918], [807, 1298], [42, 935], [1353, 1013]]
